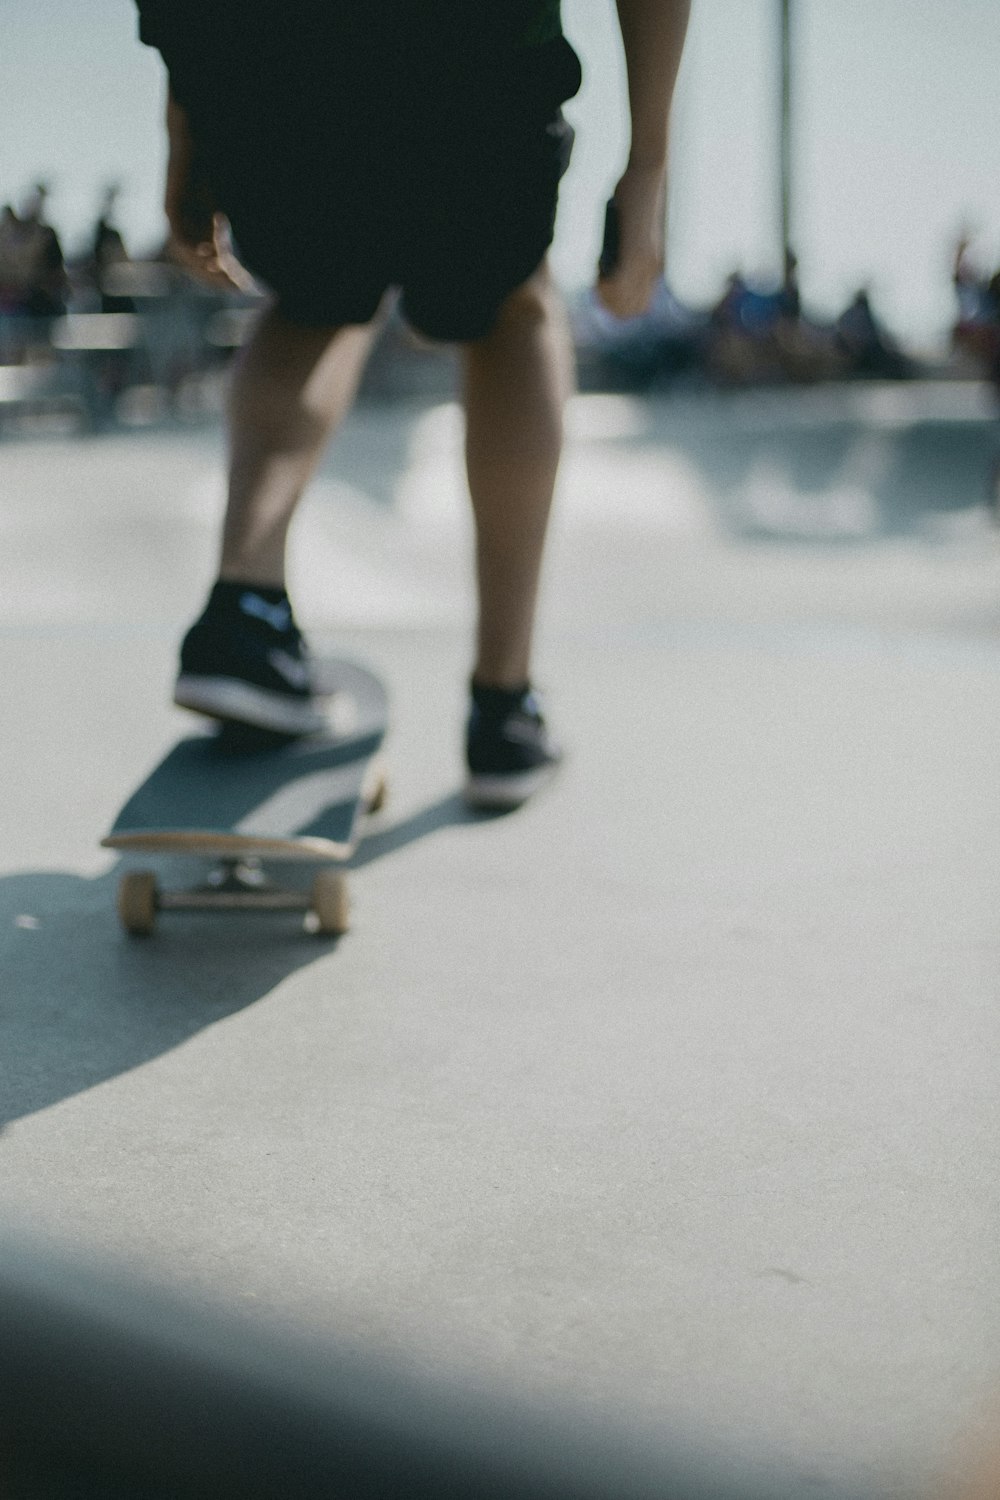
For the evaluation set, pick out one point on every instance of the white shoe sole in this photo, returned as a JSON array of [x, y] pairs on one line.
[[503, 793], [229, 699]]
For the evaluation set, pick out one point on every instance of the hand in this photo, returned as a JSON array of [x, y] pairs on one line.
[[640, 199], [199, 234]]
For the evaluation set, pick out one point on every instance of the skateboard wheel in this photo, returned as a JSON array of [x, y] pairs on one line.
[[330, 903], [378, 795], [137, 902]]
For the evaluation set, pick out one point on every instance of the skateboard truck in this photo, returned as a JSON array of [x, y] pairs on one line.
[[235, 885]]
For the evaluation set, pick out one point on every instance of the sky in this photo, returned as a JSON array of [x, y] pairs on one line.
[[895, 140]]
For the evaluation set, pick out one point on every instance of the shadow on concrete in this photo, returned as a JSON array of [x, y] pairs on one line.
[[82, 1003], [851, 487], [787, 471], [449, 812], [116, 1389]]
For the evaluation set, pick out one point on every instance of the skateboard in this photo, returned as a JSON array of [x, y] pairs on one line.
[[246, 800]]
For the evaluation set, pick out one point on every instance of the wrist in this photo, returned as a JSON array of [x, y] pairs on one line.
[[178, 129]]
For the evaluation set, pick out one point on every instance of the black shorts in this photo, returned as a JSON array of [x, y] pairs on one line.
[[337, 194]]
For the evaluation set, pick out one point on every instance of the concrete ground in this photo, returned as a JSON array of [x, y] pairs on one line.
[[672, 1095]]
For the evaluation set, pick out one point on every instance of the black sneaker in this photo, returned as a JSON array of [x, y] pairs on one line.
[[244, 661], [509, 750]]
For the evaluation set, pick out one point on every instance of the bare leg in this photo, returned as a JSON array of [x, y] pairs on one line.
[[516, 382], [291, 387]]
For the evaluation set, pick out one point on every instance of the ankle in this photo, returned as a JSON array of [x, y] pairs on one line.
[[498, 699], [227, 593], [269, 586]]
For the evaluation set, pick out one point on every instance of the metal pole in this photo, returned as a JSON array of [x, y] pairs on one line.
[[785, 128]]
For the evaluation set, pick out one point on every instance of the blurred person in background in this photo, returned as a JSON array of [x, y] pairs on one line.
[[977, 329], [414, 145], [108, 253], [33, 281], [11, 286], [741, 346], [11, 275], [804, 351], [44, 266], [866, 344]]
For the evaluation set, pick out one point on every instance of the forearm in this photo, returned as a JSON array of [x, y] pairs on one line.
[[199, 234], [177, 125], [653, 33]]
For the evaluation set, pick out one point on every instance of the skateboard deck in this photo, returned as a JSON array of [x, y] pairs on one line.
[[241, 799]]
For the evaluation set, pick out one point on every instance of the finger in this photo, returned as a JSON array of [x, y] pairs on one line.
[[222, 239], [203, 263], [238, 274], [197, 259]]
